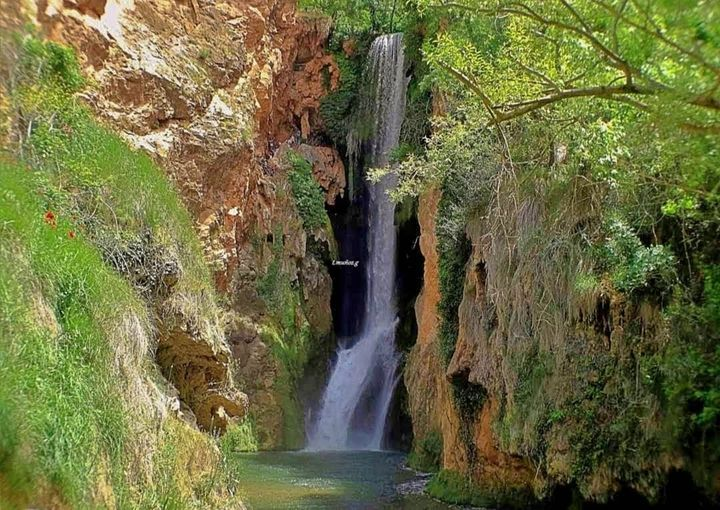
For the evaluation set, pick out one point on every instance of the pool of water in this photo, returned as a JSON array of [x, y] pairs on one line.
[[328, 480]]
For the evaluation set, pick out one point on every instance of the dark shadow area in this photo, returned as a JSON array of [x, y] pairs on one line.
[[349, 223], [680, 492], [408, 283]]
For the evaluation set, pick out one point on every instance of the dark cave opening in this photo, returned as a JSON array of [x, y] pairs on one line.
[[409, 281]]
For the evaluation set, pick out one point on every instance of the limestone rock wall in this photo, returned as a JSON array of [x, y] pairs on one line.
[[541, 373], [212, 90], [430, 395]]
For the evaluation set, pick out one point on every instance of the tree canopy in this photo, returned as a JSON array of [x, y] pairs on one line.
[[636, 81], [643, 53]]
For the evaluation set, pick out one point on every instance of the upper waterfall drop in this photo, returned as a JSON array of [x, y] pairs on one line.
[[354, 408]]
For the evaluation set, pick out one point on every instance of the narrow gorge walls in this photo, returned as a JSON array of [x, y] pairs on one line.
[[221, 95]]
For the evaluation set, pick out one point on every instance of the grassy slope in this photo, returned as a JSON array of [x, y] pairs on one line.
[[78, 387]]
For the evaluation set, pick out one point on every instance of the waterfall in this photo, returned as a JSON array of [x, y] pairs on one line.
[[354, 408]]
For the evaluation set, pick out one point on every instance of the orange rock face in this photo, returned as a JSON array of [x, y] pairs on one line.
[[429, 390], [423, 374], [211, 89]]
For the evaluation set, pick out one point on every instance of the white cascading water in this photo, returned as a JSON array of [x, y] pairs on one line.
[[354, 408]]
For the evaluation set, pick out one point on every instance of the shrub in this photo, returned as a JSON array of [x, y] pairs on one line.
[[240, 437], [631, 265], [452, 280], [41, 61], [308, 194]]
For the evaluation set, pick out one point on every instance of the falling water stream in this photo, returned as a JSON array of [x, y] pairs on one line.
[[332, 473], [344, 465], [354, 408]]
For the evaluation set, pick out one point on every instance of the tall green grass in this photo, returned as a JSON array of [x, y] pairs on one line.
[[61, 406], [71, 192], [116, 193]]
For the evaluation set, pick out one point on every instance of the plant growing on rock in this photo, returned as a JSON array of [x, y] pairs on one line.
[[308, 194], [83, 218], [582, 134]]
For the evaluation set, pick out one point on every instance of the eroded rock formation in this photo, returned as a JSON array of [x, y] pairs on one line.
[[211, 90], [543, 387], [468, 448]]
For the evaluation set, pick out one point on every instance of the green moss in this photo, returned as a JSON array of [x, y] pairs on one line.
[[293, 419], [454, 250], [288, 334], [308, 194], [453, 256], [337, 106], [426, 454], [529, 416], [454, 488], [290, 345]]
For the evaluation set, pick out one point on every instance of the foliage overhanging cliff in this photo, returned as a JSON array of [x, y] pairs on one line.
[[569, 208], [576, 157]]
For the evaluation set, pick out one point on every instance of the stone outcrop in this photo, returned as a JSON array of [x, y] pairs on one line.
[[468, 448], [544, 389], [427, 388], [211, 90], [198, 367], [328, 170]]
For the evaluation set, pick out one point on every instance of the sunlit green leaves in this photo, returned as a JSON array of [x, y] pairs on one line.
[[630, 264]]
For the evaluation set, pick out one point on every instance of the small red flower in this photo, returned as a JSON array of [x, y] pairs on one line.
[[50, 219], [71, 234]]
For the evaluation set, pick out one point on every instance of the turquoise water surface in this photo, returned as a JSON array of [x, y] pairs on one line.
[[328, 480]]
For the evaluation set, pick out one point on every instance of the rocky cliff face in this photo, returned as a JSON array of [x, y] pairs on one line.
[[548, 385], [211, 90], [469, 447]]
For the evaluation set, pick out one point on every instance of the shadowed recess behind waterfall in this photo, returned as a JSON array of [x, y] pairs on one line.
[[354, 407]]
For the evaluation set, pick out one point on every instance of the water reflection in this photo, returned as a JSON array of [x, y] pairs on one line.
[[326, 480]]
